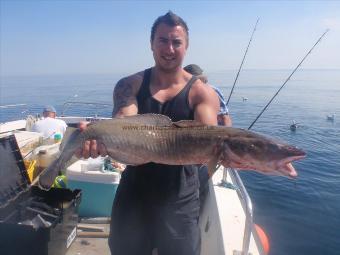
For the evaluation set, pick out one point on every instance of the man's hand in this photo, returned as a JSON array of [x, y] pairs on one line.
[[90, 147], [224, 120]]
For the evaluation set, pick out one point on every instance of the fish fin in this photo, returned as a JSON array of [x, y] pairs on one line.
[[212, 164], [70, 133], [47, 176], [188, 123], [147, 119]]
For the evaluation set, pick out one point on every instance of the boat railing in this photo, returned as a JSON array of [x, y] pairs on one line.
[[247, 207], [97, 106]]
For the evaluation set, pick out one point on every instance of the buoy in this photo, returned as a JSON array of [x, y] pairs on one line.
[[263, 238], [331, 117], [293, 127]]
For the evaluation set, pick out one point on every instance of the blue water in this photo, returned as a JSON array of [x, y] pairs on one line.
[[300, 216]]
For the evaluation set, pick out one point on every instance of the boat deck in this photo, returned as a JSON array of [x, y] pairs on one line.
[[91, 245], [231, 218]]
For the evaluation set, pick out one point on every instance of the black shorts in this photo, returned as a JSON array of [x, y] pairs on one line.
[[140, 223], [203, 177]]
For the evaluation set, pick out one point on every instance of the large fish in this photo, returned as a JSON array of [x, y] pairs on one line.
[[140, 139]]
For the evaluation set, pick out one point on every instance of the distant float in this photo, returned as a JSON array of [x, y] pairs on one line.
[[331, 117], [294, 126]]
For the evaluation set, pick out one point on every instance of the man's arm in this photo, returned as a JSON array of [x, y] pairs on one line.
[[226, 120], [125, 97], [124, 104], [205, 102]]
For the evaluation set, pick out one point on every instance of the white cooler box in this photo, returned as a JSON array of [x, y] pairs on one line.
[[98, 187]]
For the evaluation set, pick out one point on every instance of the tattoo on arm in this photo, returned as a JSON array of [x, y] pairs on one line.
[[122, 94]]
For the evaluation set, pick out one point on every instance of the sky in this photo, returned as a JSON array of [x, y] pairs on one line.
[[94, 37]]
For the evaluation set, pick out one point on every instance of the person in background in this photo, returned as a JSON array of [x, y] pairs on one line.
[[49, 125], [223, 117], [157, 205]]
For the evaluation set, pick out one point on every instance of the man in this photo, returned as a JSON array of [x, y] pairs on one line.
[[49, 125], [223, 117], [157, 206]]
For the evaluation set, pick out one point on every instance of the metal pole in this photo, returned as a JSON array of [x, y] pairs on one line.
[[238, 73]]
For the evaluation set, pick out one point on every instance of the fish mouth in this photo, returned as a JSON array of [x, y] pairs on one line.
[[288, 170], [272, 167], [285, 166]]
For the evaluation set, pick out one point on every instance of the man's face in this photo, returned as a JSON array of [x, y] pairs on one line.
[[169, 47], [49, 114]]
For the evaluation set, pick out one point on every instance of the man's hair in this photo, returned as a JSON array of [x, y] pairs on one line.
[[49, 108], [193, 69], [170, 19], [197, 71]]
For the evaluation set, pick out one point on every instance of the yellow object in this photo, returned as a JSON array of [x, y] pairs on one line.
[[60, 182], [30, 166]]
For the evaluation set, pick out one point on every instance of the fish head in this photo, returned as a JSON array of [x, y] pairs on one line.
[[255, 152]]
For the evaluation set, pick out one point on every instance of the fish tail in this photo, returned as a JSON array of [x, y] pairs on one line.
[[46, 178], [68, 146], [70, 134]]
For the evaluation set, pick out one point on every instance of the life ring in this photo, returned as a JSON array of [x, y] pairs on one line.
[[263, 238]]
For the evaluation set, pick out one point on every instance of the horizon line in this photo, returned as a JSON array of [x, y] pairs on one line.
[[208, 71]]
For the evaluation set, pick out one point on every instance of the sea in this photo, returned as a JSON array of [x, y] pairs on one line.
[[301, 215]]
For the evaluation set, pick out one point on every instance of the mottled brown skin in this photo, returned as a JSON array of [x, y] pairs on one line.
[[140, 139]]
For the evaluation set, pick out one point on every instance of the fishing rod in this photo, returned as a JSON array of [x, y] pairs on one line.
[[288, 79], [244, 57], [239, 70], [252, 124]]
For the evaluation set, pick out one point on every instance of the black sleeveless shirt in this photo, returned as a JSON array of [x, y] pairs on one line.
[[160, 183], [176, 109]]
